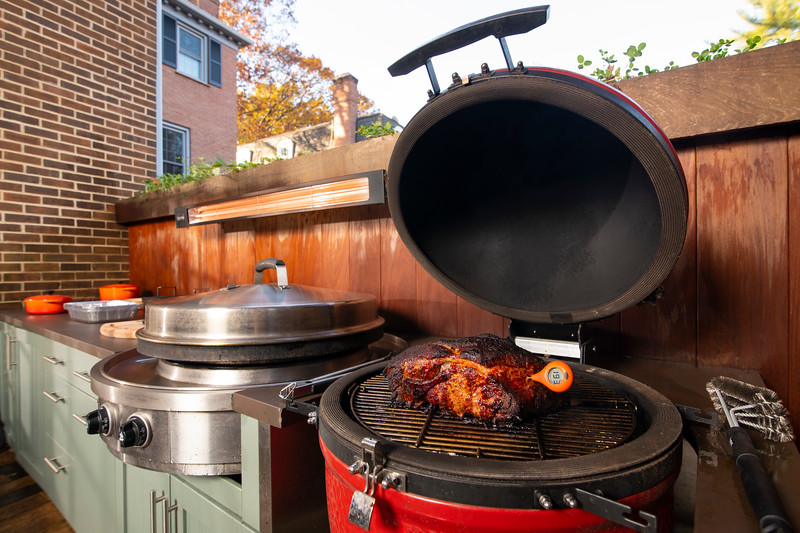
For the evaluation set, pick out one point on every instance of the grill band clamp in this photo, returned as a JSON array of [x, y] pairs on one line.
[[371, 466]]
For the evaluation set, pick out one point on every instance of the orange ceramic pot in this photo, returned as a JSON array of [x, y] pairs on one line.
[[119, 291], [46, 304]]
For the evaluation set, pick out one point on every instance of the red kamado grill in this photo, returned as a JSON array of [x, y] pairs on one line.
[[553, 200]]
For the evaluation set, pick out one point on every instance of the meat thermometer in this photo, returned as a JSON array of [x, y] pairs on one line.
[[556, 376]]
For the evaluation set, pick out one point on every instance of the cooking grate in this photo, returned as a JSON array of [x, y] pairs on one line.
[[596, 419]]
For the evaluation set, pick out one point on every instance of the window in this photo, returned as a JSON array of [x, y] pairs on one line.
[[191, 52], [285, 149], [175, 149]]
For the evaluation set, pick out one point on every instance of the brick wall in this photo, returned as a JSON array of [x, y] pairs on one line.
[[77, 133], [209, 112], [209, 6]]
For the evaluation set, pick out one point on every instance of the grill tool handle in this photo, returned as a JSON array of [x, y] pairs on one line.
[[500, 26], [757, 484]]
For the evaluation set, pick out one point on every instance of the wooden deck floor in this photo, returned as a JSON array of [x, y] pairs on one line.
[[23, 505]]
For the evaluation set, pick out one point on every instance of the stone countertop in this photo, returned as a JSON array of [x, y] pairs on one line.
[[61, 328]]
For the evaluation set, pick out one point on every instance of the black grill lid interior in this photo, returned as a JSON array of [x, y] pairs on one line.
[[543, 196]]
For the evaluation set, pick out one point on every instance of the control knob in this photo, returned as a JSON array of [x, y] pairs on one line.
[[134, 432], [98, 421]]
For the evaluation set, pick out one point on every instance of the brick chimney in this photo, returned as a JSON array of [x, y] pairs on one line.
[[345, 110]]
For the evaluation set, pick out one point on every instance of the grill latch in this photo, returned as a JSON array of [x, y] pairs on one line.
[[371, 466]]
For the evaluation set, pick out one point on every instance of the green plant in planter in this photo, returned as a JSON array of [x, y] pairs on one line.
[[376, 129], [197, 172], [610, 72], [716, 50]]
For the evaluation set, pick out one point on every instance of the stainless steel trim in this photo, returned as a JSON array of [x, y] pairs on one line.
[[82, 374], [54, 397], [53, 360], [54, 465]]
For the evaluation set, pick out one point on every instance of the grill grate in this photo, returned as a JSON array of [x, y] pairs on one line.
[[596, 419]]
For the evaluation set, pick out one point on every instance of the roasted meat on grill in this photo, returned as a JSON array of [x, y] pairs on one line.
[[484, 377]]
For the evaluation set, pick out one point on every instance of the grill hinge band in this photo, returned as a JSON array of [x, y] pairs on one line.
[[616, 512]]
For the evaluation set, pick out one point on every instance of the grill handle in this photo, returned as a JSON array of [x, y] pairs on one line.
[[276, 264], [499, 26]]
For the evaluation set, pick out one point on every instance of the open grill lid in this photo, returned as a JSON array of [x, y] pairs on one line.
[[260, 322], [537, 194]]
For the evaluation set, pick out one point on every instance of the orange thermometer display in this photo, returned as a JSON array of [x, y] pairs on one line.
[[556, 376]]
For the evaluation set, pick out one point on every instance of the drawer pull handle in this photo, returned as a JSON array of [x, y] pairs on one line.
[[54, 397], [53, 360], [83, 375], [9, 362], [54, 465], [79, 418], [155, 500]]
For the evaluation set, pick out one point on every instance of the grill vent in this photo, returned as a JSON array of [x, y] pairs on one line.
[[596, 419]]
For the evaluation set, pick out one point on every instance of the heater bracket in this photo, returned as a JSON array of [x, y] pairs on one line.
[[616, 512], [567, 342]]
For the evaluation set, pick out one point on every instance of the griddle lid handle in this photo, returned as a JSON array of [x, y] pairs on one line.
[[500, 26], [271, 263]]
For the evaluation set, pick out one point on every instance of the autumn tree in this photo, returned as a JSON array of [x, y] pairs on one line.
[[773, 19], [278, 88]]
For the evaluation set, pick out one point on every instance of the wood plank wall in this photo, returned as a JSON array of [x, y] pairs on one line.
[[733, 299]]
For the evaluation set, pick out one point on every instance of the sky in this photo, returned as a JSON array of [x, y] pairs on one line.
[[364, 37]]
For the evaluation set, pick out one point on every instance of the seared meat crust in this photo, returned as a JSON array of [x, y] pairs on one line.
[[484, 377]]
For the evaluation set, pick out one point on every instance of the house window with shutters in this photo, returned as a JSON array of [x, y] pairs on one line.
[[191, 53]]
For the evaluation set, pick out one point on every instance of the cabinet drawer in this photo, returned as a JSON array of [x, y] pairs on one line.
[[53, 410], [52, 358], [222, 489], [80, 369], [57, 472]]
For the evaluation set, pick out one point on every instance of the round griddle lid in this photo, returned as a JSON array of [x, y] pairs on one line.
[[538, 194], [260, 314]]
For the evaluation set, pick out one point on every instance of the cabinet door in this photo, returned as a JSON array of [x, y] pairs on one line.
[[95, 491], [28, 445], [142, 488], [199, 514], [9, 383]]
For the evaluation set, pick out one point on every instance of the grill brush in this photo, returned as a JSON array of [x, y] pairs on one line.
[[760, 408]]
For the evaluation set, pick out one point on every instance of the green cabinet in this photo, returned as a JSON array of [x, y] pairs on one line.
[[9, 384], [19, 403], [167, 503], [45, 393], [77, 472]]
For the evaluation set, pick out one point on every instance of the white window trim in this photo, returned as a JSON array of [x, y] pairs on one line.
[[187, 151]]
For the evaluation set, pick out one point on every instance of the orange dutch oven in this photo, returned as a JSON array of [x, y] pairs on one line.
[[119, 291], [46, 304]]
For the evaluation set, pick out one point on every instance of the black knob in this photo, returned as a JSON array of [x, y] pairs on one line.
[[133, 432], [98, 421]]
